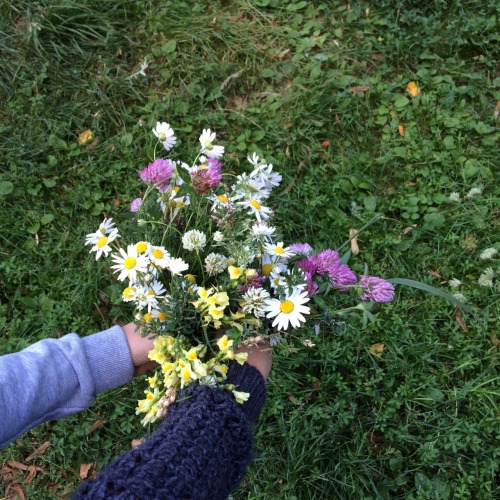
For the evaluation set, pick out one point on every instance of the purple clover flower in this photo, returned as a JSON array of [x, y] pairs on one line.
[[207, 178], [308, 266], [311, 288], [135, 205], [302, 249], [158, 173], [376, 289], [253, 281], [342, 275]]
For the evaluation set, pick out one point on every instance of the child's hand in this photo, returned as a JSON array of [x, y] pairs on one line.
[[259, 356], [139, 348]]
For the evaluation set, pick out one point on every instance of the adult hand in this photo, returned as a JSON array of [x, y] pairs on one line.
[[139, 348]]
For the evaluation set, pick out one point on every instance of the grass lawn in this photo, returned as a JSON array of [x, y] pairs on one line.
[[319, 89]]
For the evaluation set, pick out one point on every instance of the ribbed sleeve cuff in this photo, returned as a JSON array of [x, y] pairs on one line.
[[246, 378], [109, 359]]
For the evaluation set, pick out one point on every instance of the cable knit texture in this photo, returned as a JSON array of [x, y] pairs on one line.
[[201, 450]]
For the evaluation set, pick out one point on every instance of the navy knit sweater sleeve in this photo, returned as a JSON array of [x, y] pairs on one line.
[[201, 450]]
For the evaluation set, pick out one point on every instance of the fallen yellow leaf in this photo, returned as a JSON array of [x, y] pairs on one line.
[[413, 89], [84, 470], [377, 349], [84, 137], [401, 129], [353, 234]]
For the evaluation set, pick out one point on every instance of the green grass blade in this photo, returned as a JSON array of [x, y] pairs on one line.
[[428, 288]]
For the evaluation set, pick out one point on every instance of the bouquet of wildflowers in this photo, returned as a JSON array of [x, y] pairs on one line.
[[206, 270]]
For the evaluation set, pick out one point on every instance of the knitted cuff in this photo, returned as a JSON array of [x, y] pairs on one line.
[[246, 378], [109, 359]]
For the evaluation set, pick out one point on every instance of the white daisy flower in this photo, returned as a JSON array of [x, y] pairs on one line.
[[262, 230], [101, 246], [207, 146], [129, 264], [143, 247], [254, 301], [277, 250], [165, 135], [194, 240], [256, 208], [177, 266], [158, 256], [288, 310], [215, 263], [265, 174], [488, 253], [106, 227], [129, 294], [254, 160]]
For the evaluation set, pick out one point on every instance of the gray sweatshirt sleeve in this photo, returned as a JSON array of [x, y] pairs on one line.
[[55, 378]]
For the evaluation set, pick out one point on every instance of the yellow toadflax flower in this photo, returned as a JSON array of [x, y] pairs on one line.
[[224, 343], [241, 397], [235, 272]]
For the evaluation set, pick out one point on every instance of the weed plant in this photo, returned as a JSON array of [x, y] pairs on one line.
[[318, 89]]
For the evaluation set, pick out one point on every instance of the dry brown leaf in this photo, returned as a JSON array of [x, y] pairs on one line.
[[401, 129], [353, 234], [495, 340], [377, 349], [360, 88], [84, 470], [41, 449], [435, 274], [316, 384], [33, 469], [292, 399], [17, 465], [325, 144], [409, 229], [96, 425], [460, 320], [85, 137], [377, 57], [136, 442], [14, 491], [497, 110], [6, 471], [413, 89], [116, 202]]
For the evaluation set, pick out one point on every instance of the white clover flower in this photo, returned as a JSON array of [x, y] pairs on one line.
[[218, 236], [194, 240], [254, 301], [165, 135], [455, 197], [486, 278], [177, 266], [460, 297], [215, 263], [476, 191], [454, 283], [207, 146], [488, 253]]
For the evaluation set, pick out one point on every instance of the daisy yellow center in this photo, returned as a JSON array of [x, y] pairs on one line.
[[157, 253], [148, 317], [128, 293], [141, 247], [129, 263], [255, 204], [279, 250], [287, 306], [230, 262], [223, 198], [190, 278], [102, 241], [162, 316], [266, 269]]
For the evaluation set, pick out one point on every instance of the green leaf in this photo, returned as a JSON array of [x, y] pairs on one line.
[[50, 182], [127, 139], [297, 6], [6, 187], [428, 288], [401, 101], [433, 220], [46, 219], [34, 228], [169, 47], [370, 203]]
